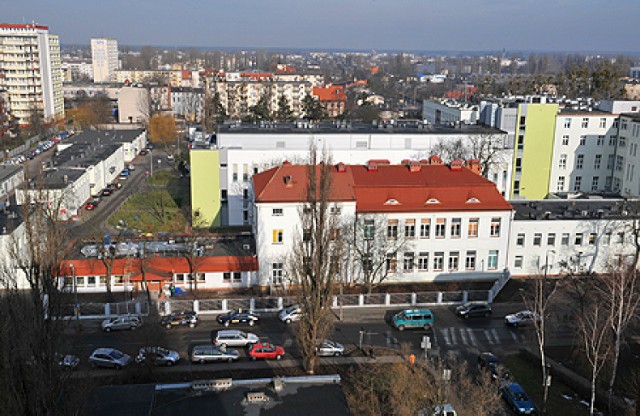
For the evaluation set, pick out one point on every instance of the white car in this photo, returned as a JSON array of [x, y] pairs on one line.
[[330, 349], [522, 318], [290, 314]]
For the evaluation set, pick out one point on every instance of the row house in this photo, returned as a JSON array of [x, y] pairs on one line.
[[455, 222]]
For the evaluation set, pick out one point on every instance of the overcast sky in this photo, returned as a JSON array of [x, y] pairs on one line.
[[451, 25]]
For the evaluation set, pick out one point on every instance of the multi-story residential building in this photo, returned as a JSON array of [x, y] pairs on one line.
[[565, 236], [11, 176], [456, 220], [449, 111], [332, 98], [76, 70], [135, 104], [173, 77], [239, 91], [30, 71], [582, 158], [104, 59], [185, 103], [221, 177]]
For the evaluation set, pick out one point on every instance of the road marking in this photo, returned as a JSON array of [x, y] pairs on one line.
[[515, 338], [445, 334], [495, 335], [488, 335], [472, 337], [463, 336], [453, 336]]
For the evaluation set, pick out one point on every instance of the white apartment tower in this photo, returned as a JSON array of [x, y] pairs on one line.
[[30, 71], [104, 56]]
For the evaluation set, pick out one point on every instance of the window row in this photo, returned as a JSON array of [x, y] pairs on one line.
[[439, 261], [576, 239], [425, 228]]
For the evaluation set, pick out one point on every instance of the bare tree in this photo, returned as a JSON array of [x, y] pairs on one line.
[[32, 305], [487, 149], [596, 341], [375, 247], [538, 302], [315, 259]]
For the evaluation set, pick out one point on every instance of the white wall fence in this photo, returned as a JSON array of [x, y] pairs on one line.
[[273, 304]]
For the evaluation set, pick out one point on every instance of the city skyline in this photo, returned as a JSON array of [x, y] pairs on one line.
[[412, 25]]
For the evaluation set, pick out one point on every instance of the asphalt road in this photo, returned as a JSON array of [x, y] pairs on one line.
[[451, 335]]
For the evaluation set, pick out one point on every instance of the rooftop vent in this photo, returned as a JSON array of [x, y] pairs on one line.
[[256, 397], [278, 384], [212, 385], [341, 167], [414, 166]]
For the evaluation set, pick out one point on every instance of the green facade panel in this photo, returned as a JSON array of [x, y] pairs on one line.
[[205, 187], [535, 151]]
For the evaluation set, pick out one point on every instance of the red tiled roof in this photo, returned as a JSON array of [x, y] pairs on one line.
[[22, 26], [393, 188], [330, 93], [160, 268]]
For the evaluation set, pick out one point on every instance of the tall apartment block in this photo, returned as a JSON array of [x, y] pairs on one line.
[[104, 56], [30, 71]]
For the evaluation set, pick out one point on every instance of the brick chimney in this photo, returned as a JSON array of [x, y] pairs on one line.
[[474, 166], [414, 166], [435, 160], [341, 167]]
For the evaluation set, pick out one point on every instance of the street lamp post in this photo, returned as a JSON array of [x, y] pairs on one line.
[[546, 262]]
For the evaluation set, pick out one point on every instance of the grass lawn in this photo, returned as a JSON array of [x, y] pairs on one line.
[[152, 211], [529, 375]]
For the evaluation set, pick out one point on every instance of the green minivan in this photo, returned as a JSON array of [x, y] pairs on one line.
[[413, 318]]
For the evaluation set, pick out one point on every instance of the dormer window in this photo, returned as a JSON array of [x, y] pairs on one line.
[[473, 201], [392, 202], [432, 201]]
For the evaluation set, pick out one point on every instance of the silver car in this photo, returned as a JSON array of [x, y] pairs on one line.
[[290, 314], [211, 353], [234, 338], [121, 322], [157, 356], [110, 358], [329, 348], [522, 318]]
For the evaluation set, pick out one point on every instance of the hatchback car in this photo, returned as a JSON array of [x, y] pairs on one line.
[[121, 322], [106, 192], [212, 353], [91, 205], [522, 318], [189, 318], [290, 314], [110, 358], [329, 348], [234, 338], [517, 399], [266, 350], [489, 362], [67, 361], [238, 316], [473, 309], [157, 356]]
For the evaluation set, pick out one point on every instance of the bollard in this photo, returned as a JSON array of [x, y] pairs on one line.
[[196, 306]]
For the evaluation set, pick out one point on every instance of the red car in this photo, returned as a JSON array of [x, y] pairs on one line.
[[266, 350], [91, 205]]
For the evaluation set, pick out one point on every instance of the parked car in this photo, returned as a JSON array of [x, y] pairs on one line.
[[413, 318], [329, 348], [212, 353], [489, 362], [522, 318], [67, 361], [473, 309], [109, 357], [157, 356], [123, 177], [106, 192], [121, 322], [266, 350], [170, 158], [238, 316], [131, 167], [290, 314], [91, 205], [143, 152], [189, 318], [114, 186], [125, 172], [444, 410], [234, 338], [517, 399]]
